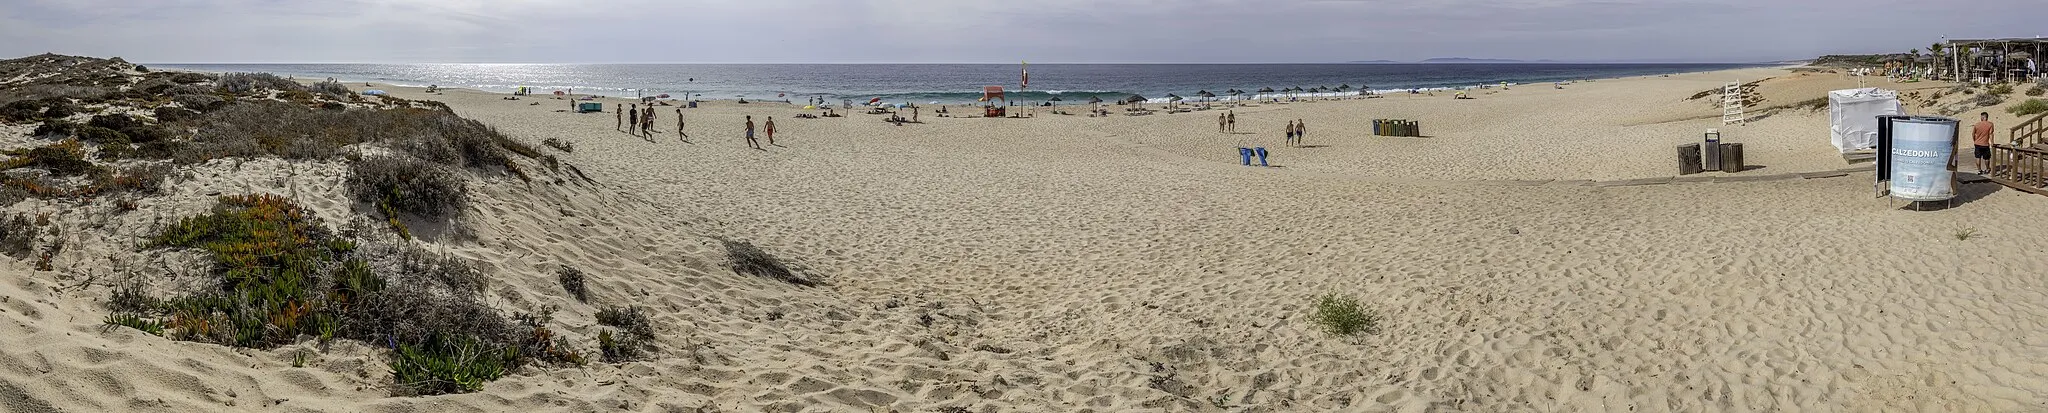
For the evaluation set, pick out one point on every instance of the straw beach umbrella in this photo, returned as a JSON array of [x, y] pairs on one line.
[[1094, 99], [1134, 99]]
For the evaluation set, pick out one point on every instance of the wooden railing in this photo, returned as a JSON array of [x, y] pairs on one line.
[[2031, 132], [2020, 167]]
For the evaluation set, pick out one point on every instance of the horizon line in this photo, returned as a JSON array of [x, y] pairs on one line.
[[1487, 61]]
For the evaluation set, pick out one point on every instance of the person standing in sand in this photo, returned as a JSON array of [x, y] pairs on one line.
[[1300, 132], [1290, 133], [751, 143], [1232, 115], [633, 112], [618, 112], [1219, 123], [770, 125], [647, 125], [1980, 138]]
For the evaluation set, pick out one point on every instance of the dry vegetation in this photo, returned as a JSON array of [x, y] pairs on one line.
[[275, 272]]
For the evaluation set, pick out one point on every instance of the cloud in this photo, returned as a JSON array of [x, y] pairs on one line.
[[794, 31]]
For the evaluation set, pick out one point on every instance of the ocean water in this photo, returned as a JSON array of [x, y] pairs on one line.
[[952, 83]]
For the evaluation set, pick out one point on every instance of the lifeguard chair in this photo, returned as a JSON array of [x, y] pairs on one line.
[[990, 94]]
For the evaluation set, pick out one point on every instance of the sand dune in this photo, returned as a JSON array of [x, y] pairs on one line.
[[1067, 263]]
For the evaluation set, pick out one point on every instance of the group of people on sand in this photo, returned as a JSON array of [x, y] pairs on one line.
[[640, 122], [768, 126], [1226, 122], [1295, 130]]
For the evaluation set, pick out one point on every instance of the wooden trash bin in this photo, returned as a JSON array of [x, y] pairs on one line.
[[1731, 157], [1689, 159]]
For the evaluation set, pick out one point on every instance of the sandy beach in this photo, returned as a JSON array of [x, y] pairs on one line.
[[1533, 252]]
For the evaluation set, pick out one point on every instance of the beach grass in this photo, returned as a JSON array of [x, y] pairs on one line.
[[1342, 315], [2030, 107]]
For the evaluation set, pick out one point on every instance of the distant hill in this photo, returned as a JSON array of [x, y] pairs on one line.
[[1372, 61], [1856, 60], [1470, 60]]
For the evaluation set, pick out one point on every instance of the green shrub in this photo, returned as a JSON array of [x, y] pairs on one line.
[[572, 282], [331, 89], [131, 320], [100, 135], [449, 364], [198, 101], [1999, 89], [636, 334], [282, 274], [17, 236], [1988, 99], [2030, 107], [559, 144], [187, 78], [63, 159], [114, 121], [397, 184], [751, 260], [173, 114], [246, 83], [270, 257], [2036, 91], [1340, 315], [21, 111], [54, 129]]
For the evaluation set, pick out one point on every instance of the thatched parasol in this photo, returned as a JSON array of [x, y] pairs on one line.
[[1266, 90], [1055, 98], [1172, 97], [1205, 94], [1134, 99], [1094, 99]]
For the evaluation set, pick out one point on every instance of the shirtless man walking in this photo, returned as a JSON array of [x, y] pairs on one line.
[[751, 143]]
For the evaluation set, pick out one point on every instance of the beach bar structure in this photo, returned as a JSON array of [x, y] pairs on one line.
[[1995, 59]]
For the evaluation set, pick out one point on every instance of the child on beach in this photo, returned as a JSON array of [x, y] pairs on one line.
[[771, 129], [751, 143], [1219, 123], [679, 124]]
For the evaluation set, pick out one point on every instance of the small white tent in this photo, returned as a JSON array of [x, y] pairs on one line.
[[1853, 115]]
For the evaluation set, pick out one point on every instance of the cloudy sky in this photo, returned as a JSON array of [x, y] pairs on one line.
[[990, 31]]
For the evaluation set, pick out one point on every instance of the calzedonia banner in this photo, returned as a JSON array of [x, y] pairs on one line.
[[1920, 153]]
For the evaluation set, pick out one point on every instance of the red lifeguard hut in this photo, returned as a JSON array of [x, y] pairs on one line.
[[990, 94]]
